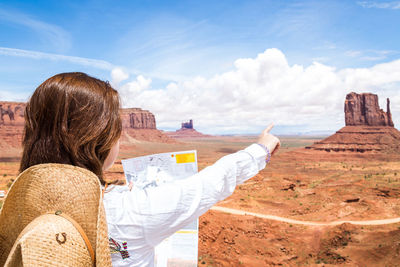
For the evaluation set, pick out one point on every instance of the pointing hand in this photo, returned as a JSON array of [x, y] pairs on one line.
[[269, 140]]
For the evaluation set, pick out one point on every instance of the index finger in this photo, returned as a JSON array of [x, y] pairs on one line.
[[269, 128]]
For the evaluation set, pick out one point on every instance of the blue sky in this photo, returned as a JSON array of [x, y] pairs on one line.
[[232, 66]]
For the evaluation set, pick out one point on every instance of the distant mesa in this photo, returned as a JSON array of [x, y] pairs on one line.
[[187, 125], [368, 128], [186, 131], [137, 125], [11, 129], [11, 113]]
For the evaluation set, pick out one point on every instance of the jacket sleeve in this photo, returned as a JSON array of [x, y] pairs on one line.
[[169, 207]]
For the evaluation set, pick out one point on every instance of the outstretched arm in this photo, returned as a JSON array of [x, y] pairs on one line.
[[167, 208]]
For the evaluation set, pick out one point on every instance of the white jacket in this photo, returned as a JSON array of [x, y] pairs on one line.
[[143, 218]]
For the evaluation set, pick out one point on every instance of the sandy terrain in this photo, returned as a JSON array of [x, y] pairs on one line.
[[299, 185]]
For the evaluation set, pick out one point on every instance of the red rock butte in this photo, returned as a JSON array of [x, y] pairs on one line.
[[11, 128], [368, 128], [138, 125], [186, 131]]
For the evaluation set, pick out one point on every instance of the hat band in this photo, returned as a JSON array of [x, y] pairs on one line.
[[80, 230]]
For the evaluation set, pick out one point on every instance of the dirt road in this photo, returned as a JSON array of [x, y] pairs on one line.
[[309, 223]]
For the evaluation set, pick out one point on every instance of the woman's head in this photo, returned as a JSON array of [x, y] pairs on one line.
[[71, 118]]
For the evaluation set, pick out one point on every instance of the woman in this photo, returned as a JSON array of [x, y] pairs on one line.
[[73, 118]]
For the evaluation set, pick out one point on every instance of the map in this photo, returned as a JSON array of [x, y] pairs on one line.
[[181, 248]]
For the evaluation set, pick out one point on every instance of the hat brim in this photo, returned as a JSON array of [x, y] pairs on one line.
[[47, 188], [49, 240]]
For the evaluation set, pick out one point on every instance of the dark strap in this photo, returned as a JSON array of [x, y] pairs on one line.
[[81, 231], [104, 189]]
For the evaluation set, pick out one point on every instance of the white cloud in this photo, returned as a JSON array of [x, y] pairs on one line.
[[382, 5], [95, 63], [372, 78], [118, 75], [261, 90], [133, 89]]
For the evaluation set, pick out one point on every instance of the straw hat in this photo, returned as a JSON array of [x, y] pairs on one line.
[[52, 216]]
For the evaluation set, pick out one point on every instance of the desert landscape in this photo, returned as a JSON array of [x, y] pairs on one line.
[[321, 201]]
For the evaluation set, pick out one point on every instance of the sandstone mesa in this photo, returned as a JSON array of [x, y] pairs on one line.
[[138, 125], [368, 128], [186, 131]]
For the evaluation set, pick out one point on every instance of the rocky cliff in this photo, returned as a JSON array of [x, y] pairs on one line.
[[12, 113], [137, 125], [140, 125], [363, 110], [11, 129], [368, 128], [137, 118]]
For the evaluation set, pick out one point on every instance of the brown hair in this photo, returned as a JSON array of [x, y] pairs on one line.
[[71, 118]]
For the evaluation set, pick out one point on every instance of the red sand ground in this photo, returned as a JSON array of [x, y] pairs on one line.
[[299, 184]]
